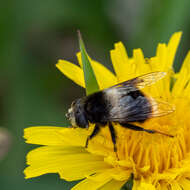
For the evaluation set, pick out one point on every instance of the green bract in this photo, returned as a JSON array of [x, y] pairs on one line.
[[89, 76]]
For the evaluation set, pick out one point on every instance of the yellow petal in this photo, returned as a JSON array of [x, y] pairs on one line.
[[115, 173], [172, 47], [162, 186], [175, 186], [94, 182], [139, 61], [113, 185], [55, 136], [88, 184], [101, 181], [72, 71], [142, 185], [185, 183], [161, 58], [165, 54], [72, 163], [120, 175], [160, 63], [103, 75], [123, 67], [183, 79]]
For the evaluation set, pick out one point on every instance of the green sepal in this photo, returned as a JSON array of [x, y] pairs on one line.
[[129, 184], [91, 83]]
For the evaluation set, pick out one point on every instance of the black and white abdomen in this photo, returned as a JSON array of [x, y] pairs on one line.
[[117, 104], [128, 106]]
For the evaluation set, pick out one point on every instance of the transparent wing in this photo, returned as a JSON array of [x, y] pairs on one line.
[[140, 82], [140, 109], [160, 108], [129, 104]]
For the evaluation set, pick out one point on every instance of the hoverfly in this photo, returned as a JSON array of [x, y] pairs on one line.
[[123, 103]]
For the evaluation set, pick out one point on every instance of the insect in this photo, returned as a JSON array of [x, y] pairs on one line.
[[123, 103]]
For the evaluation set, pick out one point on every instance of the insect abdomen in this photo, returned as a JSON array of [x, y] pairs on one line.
[[129, 106]]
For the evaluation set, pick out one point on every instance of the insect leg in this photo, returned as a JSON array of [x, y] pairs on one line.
[[137, 128], [113, 136], [93, 134]]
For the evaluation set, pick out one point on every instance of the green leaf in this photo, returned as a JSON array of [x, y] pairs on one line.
[[89, 76]]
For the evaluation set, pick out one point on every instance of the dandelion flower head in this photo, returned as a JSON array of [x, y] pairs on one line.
[[157, 162]]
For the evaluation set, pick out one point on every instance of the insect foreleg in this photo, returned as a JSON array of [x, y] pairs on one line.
[[93, 134]]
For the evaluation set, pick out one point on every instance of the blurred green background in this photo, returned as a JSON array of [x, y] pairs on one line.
[[35, 34]]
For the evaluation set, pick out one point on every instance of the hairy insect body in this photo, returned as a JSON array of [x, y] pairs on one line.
[[117, 106], [96, 108], [123, 103]]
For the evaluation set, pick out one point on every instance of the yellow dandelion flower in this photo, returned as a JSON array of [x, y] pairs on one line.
[[157, 162]]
